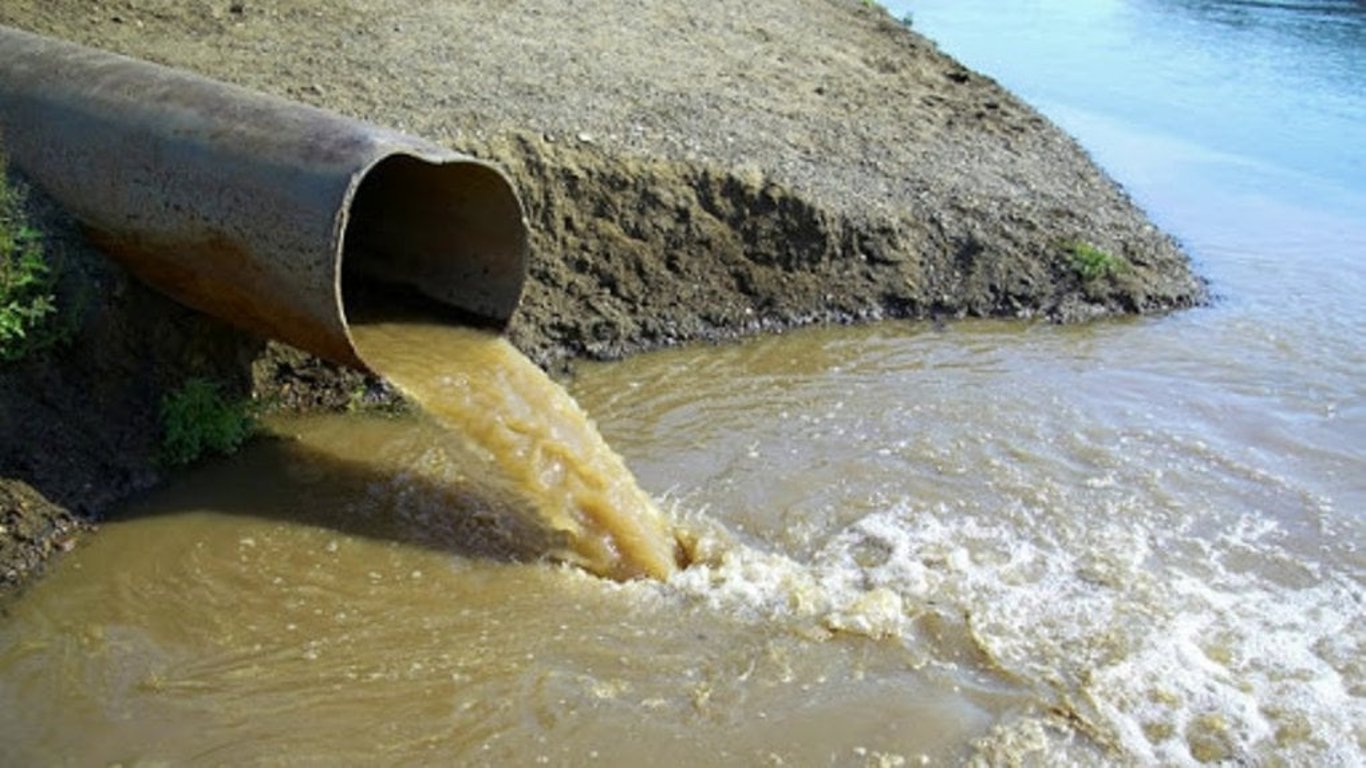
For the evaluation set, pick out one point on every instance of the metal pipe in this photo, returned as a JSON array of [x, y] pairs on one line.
[[275, 216]]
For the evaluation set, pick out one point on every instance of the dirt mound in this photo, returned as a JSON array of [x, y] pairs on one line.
[[632, 254]]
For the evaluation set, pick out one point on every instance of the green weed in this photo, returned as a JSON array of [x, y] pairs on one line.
[[27, 282], [196, 421], [1092, 264]]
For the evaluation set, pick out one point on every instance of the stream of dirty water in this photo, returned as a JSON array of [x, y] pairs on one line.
[[1134, 542], [507, 424]]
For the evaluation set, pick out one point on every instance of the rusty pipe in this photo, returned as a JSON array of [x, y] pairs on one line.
[[275, 216]]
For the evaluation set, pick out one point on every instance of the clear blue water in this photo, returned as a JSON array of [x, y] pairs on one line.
[[1282, 84]]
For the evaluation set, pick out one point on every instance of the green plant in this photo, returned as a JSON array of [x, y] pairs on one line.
[[1091, 263], [27, 281], [196, 420]]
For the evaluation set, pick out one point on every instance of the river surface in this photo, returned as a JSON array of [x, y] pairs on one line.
[[1135, 542]]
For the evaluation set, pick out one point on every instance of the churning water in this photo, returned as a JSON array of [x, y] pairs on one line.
[[1134, 542]]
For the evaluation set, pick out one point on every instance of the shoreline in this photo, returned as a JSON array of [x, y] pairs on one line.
[[688, 176]]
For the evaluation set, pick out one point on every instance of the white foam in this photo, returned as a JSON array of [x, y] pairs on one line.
[[1148, 642]]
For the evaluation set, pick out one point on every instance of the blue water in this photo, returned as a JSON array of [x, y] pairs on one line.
[[1277, 83]]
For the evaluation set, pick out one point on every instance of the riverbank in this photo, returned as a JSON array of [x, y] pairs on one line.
[[690, 173]]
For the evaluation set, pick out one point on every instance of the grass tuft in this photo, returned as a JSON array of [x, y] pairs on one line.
[[197, 421], [1092, 264], [27, 281]]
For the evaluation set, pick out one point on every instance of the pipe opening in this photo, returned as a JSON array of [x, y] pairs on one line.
[[440, 238]]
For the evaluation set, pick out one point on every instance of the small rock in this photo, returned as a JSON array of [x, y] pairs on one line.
[[585, 138]]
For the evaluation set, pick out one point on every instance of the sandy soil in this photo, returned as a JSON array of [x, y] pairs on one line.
[[690, 170]]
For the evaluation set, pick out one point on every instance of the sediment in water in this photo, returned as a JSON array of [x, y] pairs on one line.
[[520, 427]]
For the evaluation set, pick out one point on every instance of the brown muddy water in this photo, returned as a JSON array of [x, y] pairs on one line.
[[915, 545], [510, 429]]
